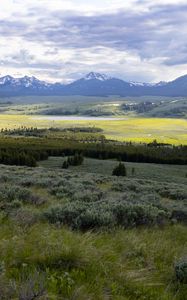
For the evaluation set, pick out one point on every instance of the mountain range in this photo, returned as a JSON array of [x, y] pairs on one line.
[[93, 84]]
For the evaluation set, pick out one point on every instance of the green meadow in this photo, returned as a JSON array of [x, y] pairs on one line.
[[131, 118], [135, 129]]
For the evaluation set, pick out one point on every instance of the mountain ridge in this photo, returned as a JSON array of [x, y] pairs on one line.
[[92, 84]]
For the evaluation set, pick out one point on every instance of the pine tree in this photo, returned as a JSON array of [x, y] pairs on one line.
[[65, 165], [119, 170]]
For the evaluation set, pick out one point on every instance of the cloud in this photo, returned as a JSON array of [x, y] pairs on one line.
[[133, 39]]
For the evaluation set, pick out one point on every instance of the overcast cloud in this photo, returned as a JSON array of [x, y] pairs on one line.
[[61, 40]]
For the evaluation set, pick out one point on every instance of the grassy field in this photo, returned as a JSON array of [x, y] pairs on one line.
[[130, 265], [163, 173], [166, 122], [172, 131], [41, 254]]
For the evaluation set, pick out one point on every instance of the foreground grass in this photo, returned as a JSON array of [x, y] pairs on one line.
[[131, 264], [103, 263], [171, 131]]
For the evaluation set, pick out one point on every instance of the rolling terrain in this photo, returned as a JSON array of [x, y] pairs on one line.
[[56, 224]]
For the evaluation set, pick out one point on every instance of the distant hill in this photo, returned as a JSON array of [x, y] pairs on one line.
[[93, 84]]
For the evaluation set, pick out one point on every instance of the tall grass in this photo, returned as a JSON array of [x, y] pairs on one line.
[[54, 262], [131, 264]]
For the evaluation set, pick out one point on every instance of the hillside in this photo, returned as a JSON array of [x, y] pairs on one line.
[[55, 226]]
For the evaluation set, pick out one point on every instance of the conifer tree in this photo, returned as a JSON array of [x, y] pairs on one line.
[[119, 170]]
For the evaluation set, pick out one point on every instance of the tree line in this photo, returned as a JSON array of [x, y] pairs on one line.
[[15, 149], [21, 157]]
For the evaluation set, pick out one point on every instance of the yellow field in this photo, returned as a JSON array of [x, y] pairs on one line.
[[172, 131]]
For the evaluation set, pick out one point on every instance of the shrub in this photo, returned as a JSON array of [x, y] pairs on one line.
[[37, 200], [181, 270], [13, 192], [43, 182], [27, 182], [134, 215], [179, 215], [13, 197], [88, 196], [173, 193], [66, 214], [79, 215], [15, 204], [94, 219], [25, 217]]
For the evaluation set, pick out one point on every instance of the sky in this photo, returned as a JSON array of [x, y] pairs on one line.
[[62, 40]]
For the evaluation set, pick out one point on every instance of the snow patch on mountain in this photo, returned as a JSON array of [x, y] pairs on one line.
[[161, 83], [97, 76], [134, 83]]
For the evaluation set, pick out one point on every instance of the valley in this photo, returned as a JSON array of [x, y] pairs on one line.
[[62, 208], [134, 129]]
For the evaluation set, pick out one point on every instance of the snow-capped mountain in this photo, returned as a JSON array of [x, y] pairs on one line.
[[97, 76], [10, 86], [29, 82], [6, 80], [26, 81], [92, 84]]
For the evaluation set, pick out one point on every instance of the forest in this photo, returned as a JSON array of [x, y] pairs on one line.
[[26, 146]]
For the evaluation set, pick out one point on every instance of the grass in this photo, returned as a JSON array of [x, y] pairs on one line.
[[131, 264], [141, 170], [173, 131]]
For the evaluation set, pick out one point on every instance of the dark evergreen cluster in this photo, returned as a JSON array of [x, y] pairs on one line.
[[83, 129], [161, 154], [153, 153], [140, 107], [21, 157], [23, 131], [119, 170], [75, 160]]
